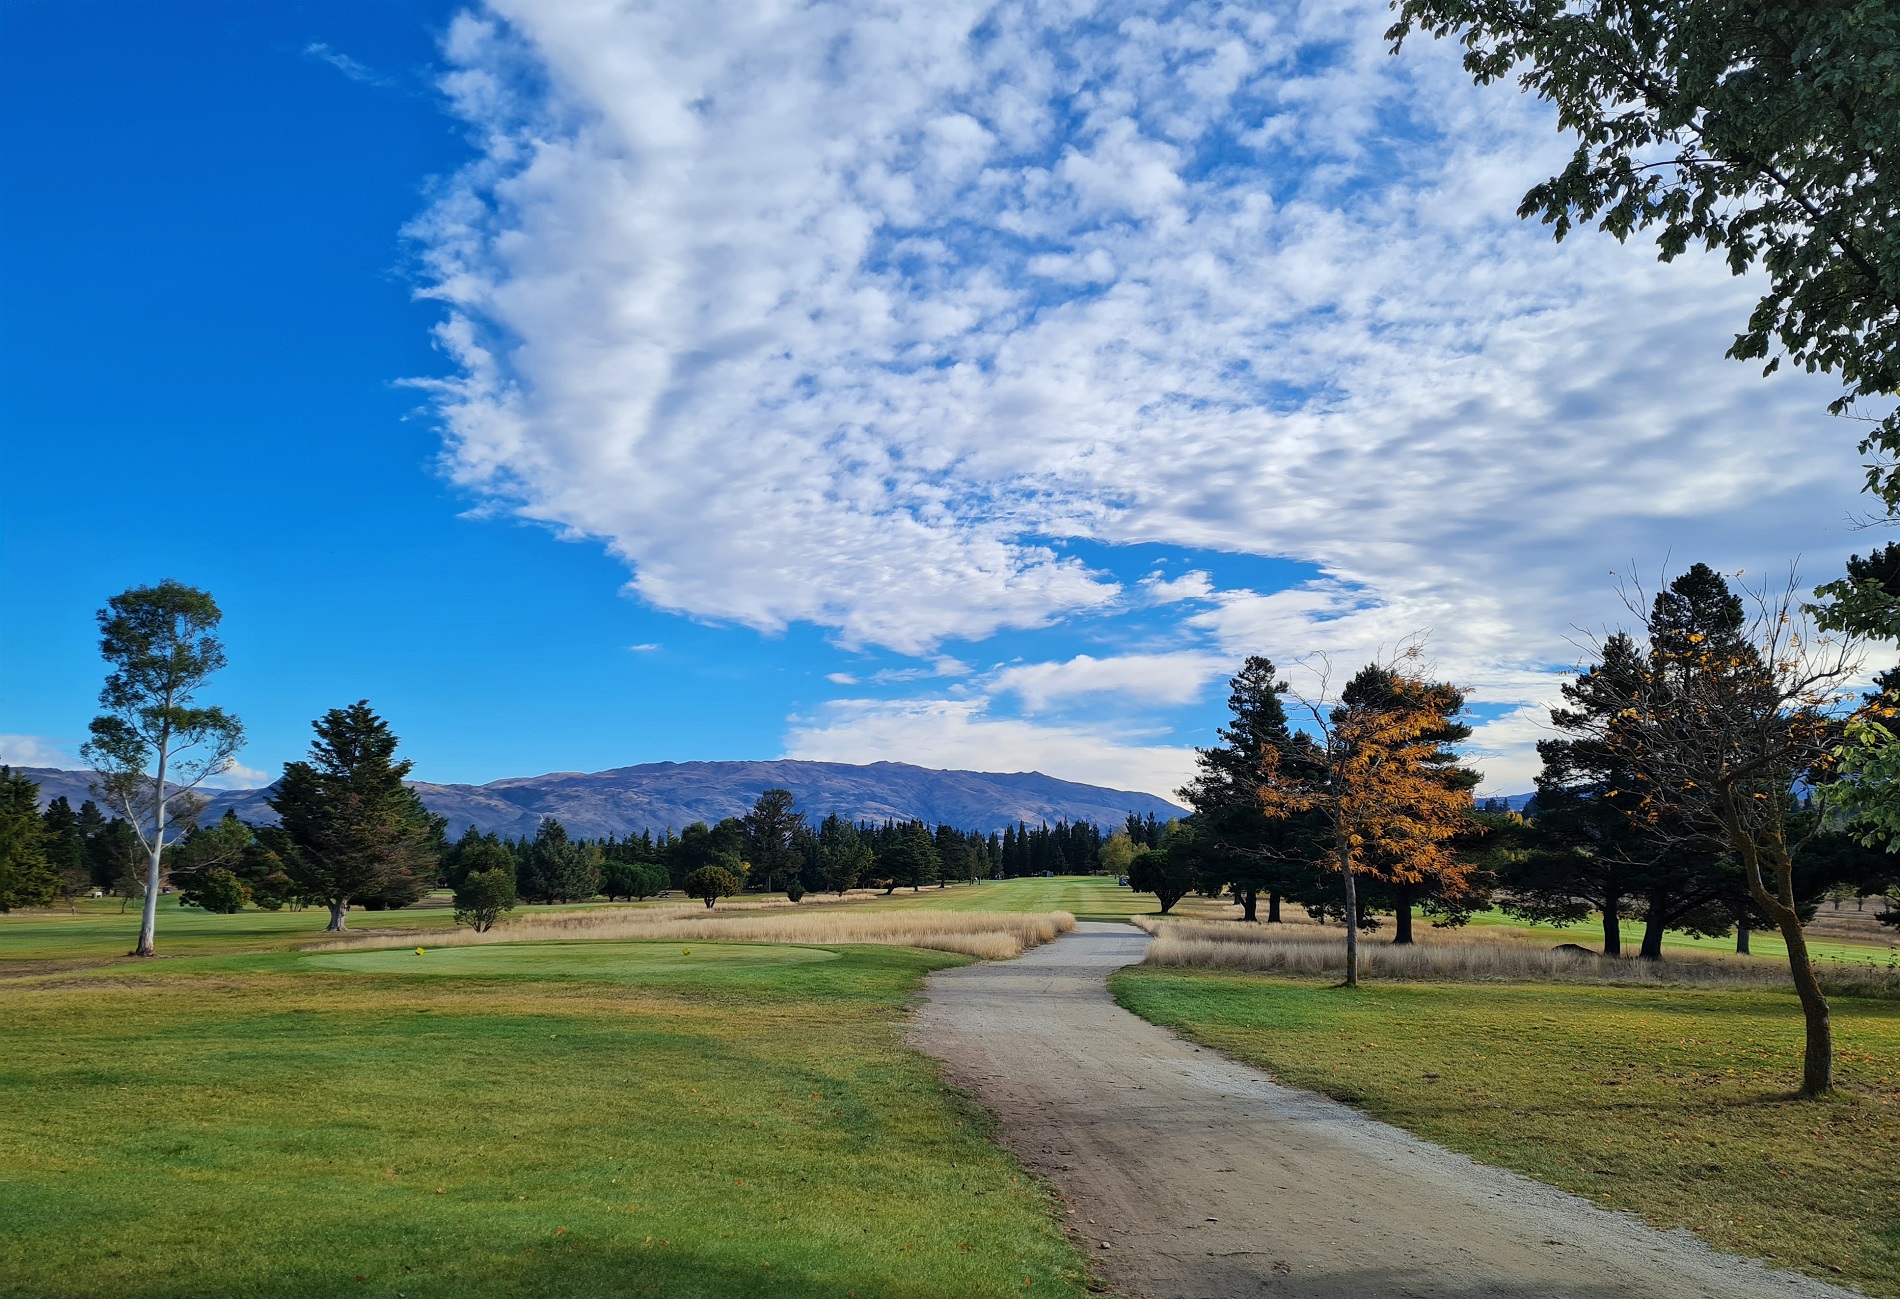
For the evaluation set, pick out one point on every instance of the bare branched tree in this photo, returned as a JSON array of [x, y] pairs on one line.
[[1720, 731]]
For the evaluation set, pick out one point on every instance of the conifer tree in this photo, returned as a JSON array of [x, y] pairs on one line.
[[771, 834], [349, 828], [27, 879], [1238, 845]]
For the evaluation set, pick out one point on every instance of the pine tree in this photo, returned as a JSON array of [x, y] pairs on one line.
[[1238, 845], [65, 840], [556, 868], [349, 828], [771, 834], [27, 879]]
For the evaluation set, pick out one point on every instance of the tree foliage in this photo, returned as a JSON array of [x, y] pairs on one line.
[[710, 883], [482, 897], [27, 879], [844, 857], [1239, 846], [348, 827], [909, 857], [1374, 777], [556, 868], [772, 830], [153, 745], [1720, 724], [1170, 873], [1763, 129]]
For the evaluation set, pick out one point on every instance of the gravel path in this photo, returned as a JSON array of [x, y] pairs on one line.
[[1204, 1179]]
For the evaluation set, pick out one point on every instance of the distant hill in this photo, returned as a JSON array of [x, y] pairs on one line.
[[658, 795], [1515, 802]]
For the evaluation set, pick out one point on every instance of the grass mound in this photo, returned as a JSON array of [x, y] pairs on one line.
[[987, 935], [617, 961]]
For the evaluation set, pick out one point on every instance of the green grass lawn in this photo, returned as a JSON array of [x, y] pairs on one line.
[[581, 1119], [1671, 1102], [100, 931], [1087, 897]]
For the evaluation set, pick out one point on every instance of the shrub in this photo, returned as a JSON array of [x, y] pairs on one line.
[[795, 890], [483, 896], [219, 891], [632, 879], [710, 883], [1168, 875]]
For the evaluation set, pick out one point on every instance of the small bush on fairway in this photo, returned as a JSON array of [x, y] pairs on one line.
[[483, 897], [710, 883], [219, 891]]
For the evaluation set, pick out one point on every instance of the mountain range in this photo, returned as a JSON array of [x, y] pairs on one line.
[[660, 795]]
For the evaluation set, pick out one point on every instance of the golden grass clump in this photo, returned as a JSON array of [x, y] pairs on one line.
[[987, 935], [1470, 956]]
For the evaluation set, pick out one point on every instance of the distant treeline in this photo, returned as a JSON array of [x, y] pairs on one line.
[[227, 864], [833, 856]]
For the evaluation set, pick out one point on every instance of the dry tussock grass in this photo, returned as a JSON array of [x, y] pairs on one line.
[[1468, 956], [987, 935]]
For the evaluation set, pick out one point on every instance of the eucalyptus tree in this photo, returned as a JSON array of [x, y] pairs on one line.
[[154, 745]]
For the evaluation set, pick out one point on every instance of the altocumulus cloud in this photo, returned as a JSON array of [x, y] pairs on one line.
[[840, 312]]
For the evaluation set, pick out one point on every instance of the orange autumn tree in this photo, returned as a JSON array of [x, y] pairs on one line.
[[1374, 776]]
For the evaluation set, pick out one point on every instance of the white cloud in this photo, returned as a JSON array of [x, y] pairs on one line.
[[833, 313], [647, 647], [33, 751], [957, 734], [349, 67], [239, 776], [1172, 678], [1157, 589], [841, 678]]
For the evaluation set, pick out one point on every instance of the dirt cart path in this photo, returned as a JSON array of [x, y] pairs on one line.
[[1205, 1179]]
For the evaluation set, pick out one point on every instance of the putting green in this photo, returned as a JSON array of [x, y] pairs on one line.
[[576, 960]]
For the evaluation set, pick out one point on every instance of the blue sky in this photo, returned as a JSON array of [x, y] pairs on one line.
[[961, 385]]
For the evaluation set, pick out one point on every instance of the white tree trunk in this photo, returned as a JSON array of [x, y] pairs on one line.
[[148, 923]]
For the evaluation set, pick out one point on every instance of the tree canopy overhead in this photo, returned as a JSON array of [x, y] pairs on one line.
[[1762, 129]]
